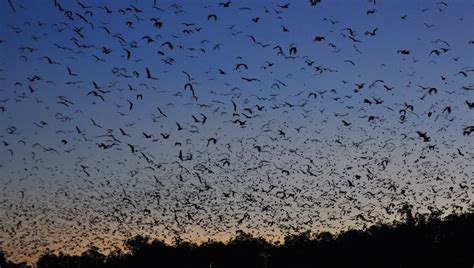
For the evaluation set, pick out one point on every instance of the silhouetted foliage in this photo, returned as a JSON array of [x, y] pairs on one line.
[[421, 240]]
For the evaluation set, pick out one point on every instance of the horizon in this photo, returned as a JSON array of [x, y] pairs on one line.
[[436, 242]]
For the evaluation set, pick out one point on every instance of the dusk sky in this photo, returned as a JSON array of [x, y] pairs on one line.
[[195, 119]]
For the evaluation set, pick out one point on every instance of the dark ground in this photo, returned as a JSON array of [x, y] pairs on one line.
[[418, 241]]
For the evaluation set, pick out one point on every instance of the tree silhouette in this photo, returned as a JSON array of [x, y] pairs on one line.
[[418, 240]]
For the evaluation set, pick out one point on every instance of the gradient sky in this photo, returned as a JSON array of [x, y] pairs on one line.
[[293, 166]]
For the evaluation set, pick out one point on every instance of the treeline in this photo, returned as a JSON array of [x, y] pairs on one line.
[[421, 240]]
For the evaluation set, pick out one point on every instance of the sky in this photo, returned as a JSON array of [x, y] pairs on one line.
[[357, 108]]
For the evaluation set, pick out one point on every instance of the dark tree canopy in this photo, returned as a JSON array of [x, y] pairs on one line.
[[421, 240]]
